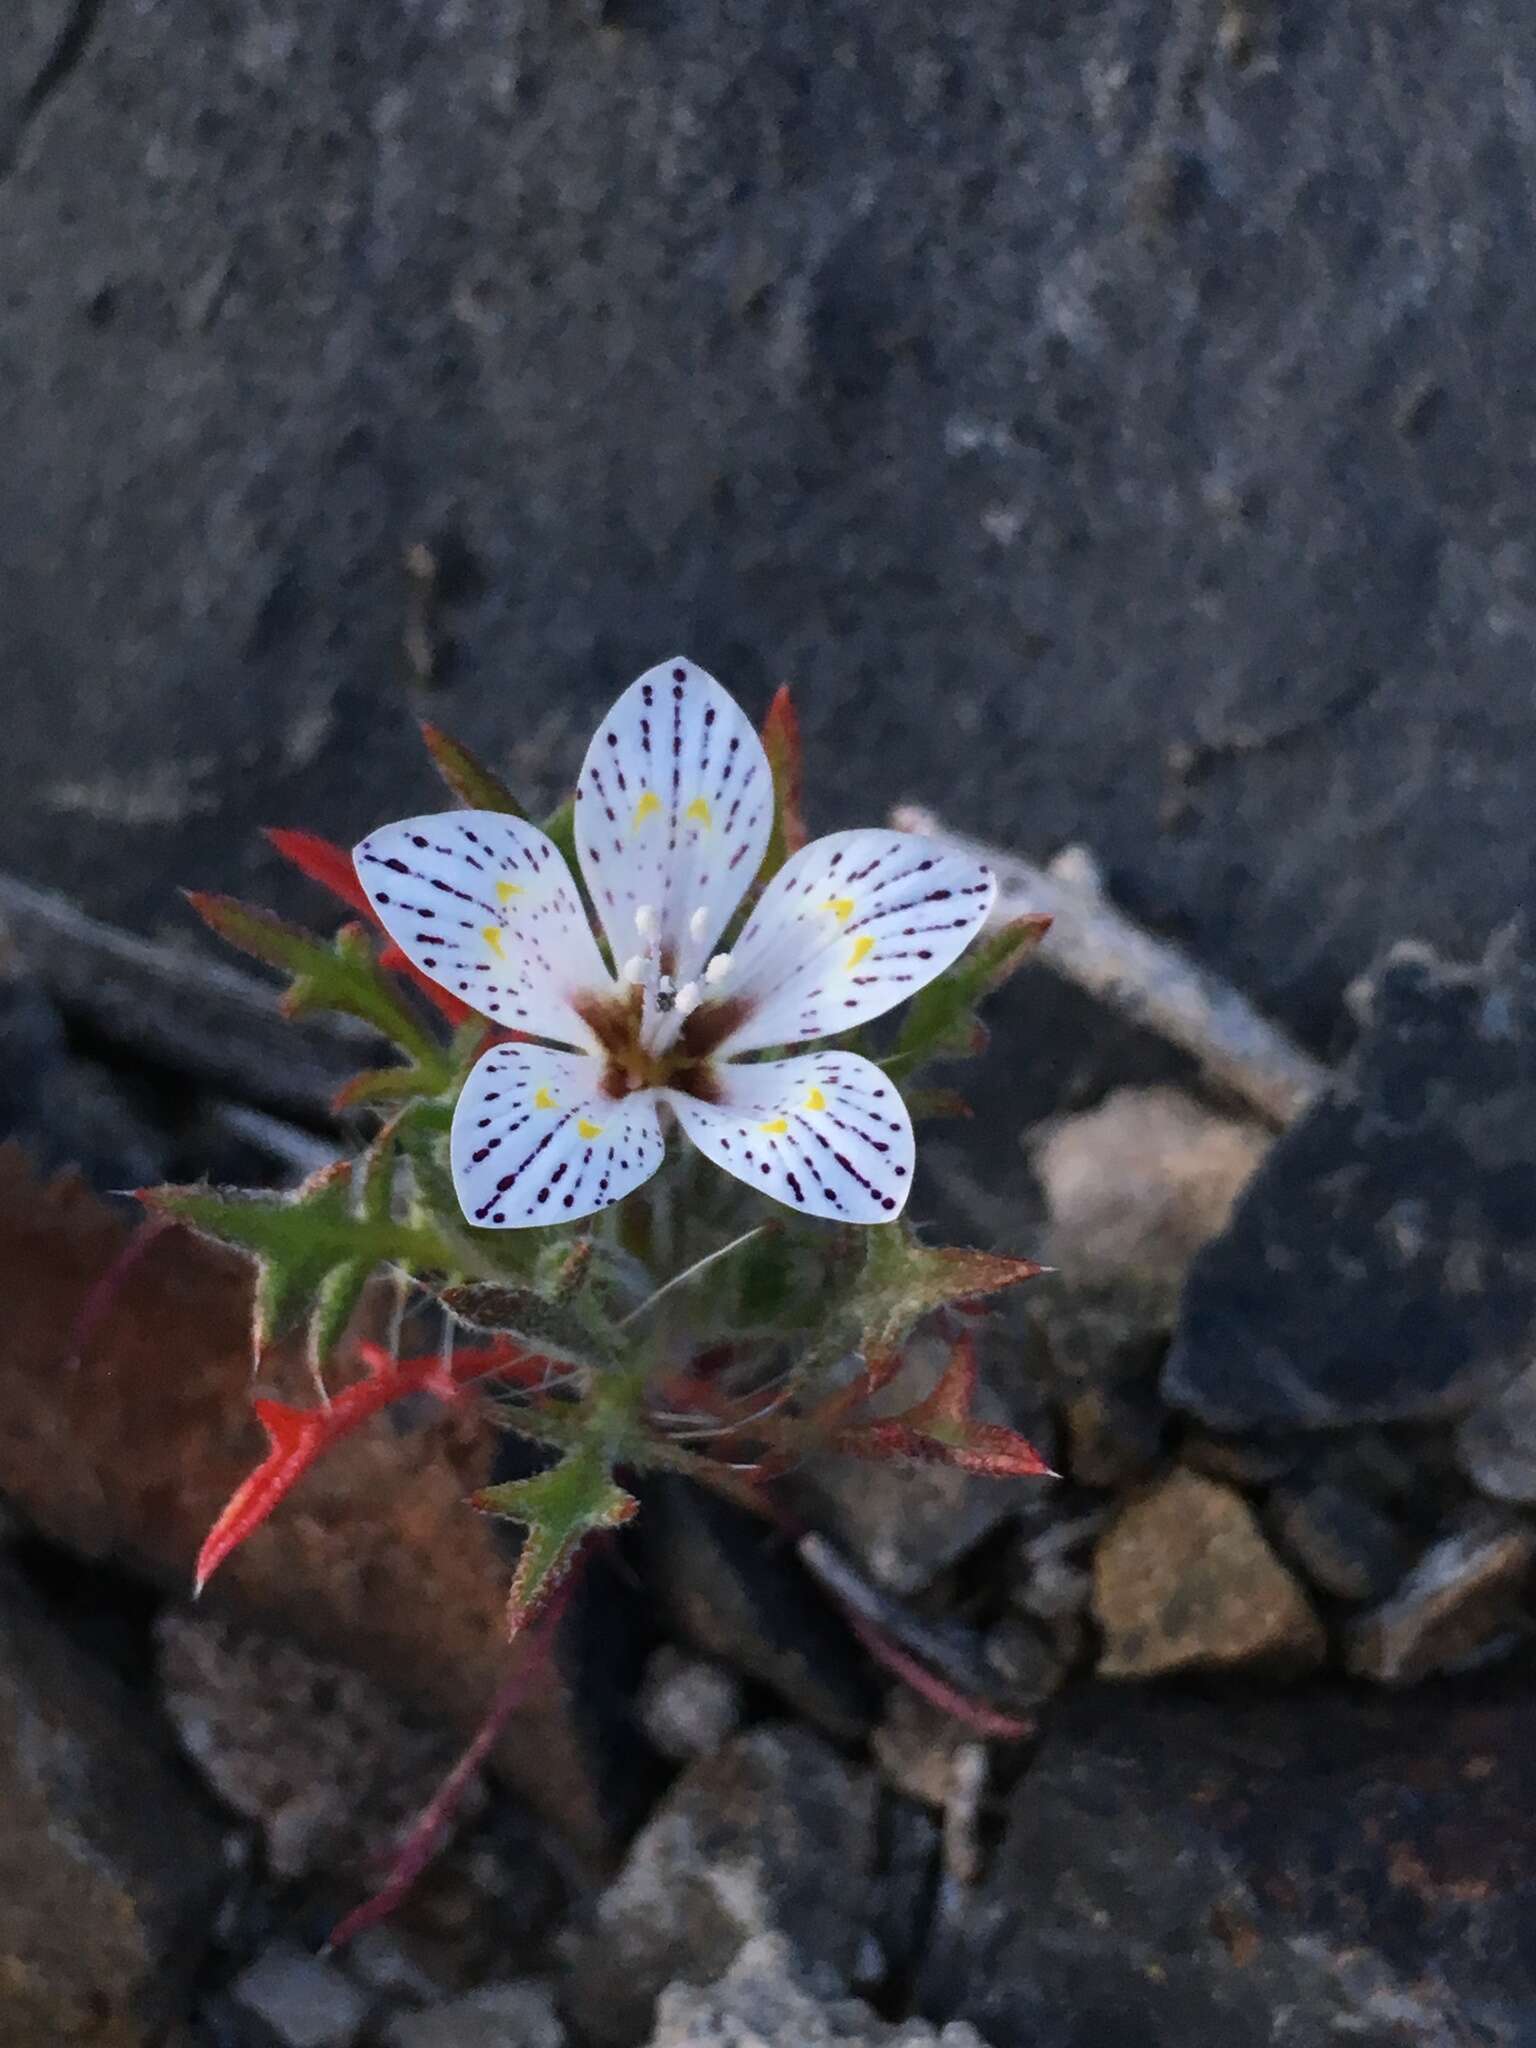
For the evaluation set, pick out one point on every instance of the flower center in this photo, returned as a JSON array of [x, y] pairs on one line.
[[619, 1022]]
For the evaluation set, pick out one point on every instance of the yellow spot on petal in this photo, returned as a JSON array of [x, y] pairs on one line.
[[589, 1130], [777, 1127], [505, 891], [648, 803], [841, 907], [862, 948], [815, 1100], [544, 1100], [492, 937], [698, 810]]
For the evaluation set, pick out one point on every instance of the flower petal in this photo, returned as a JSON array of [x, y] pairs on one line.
[[825, 1133], [851, 925], [534, 1141], [486, 906], [674, 808]]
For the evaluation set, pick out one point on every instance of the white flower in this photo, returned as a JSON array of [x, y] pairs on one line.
[[674, 809]]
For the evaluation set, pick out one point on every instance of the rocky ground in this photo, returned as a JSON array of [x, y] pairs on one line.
[[1228, 1744]]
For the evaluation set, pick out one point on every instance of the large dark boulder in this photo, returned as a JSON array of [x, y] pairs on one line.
[[1116, 420]]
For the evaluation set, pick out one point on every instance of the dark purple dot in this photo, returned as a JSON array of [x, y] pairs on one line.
[[417, 840], [379, 896], [679, 675]]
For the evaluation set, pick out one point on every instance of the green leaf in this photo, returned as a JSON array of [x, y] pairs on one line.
[[941, 1021], [342, 974], [902, 1281], [781, 743], [560, 826], [434, 1205], [471, 781], [559, 1508], [557, 1328], [315, 1248]]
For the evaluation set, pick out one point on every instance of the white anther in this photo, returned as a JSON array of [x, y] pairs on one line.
[[634, 969], [666, 986], [645, 921], [718, 968], [698, 923], [687, 999]]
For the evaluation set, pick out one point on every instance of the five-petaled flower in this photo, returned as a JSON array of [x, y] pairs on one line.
[[674, 810]]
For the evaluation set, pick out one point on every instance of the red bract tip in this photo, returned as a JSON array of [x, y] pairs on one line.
[[296, 1437], [324, 862]]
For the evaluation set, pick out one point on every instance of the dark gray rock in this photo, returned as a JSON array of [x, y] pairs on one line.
[[773, 1834], [110, 1869], [1345, 1545], [1381, 1265], [1211, 1874], [1143, 388], [66, 1111]]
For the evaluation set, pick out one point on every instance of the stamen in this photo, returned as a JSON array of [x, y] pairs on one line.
[[666, 994], [698, 922], [634, 970], [645, 921], [687, 999], [718, 968]]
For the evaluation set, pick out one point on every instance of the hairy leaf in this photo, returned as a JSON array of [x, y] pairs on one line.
[[296, 1437], [559, 1508], [475, 785], [314, 1248], [343, 975], [781, 743], [941, 1021], [902, 1281], [557, 1328], [941, 1430]]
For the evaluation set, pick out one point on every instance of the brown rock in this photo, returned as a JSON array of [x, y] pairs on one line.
[[1183, 1579], [1464, 1592], [109, 1869], [130, 1451]]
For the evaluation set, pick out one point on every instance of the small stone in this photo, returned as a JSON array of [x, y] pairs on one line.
[[1497, 1443], [513, 2015], [1184, 1580], [1029, 1667], [326, 1763], [1462, 1595], [306, 2000], [1345, 1546], [769, 1999], [688, 1706], [1139, 1184], [775, 1833], [1380, 1266]]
